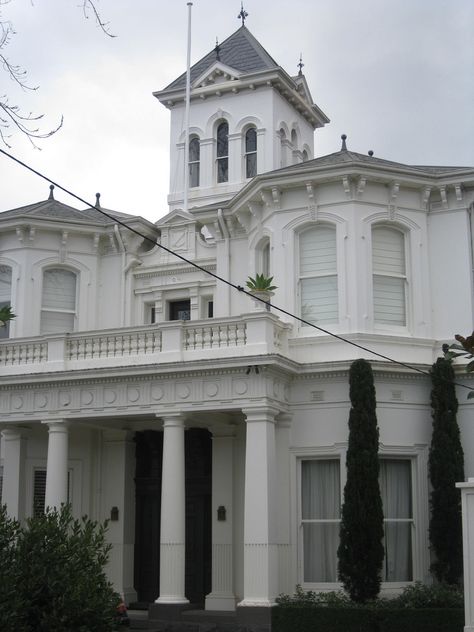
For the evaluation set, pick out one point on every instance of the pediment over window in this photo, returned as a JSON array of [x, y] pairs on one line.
[[177, 217], [215, 74]]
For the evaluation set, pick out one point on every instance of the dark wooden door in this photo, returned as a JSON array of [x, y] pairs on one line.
[[149, 456]]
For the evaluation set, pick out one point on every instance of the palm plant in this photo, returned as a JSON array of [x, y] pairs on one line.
[[260, 283]]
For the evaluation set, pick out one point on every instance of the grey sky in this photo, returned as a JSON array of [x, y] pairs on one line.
[[397, 76]]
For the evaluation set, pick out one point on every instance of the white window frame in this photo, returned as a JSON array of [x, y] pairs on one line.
[[73, 312], [418, 457], [405, 277]]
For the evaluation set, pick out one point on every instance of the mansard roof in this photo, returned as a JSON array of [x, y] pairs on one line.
[[351, 157], [240, 51], [54, 210]]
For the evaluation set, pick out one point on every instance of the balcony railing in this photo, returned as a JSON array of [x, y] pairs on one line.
[[174, 341]]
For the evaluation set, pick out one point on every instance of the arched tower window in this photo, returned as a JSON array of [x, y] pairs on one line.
[[318, 275], [294, 139], [305, 156], [389, 276], [223, 152], [194, 161], [5, 295], [58, 305], [251, 152]]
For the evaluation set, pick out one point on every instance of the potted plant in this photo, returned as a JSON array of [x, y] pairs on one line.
[[262, 289]]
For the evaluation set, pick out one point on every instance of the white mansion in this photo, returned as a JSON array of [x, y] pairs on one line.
[[211, 431]]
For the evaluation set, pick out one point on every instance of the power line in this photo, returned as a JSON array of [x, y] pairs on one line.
[[221, 279]]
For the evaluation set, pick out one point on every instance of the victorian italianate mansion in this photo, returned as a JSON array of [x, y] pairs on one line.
[[209, 430]]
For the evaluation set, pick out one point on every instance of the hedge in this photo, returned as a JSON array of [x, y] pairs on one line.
[[310, 619]]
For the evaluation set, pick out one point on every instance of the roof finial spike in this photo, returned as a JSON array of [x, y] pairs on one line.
[[218, 50], [51, 194], [344, 146], [243, 14], [300, 65], [97, 200], [371, 153]]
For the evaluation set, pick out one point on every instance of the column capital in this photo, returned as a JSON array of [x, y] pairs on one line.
[[12, 433], [222, 430], [260, 413], [56, 425], [172, 419]]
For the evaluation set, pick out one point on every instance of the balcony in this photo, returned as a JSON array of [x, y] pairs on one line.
[[174, 341]]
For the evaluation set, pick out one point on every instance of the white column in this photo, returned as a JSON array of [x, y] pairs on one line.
[[56, 468], [118, 506], [260, 550], [13, 494], [467, 500], [222, 595], [286, 574], [172, 537]]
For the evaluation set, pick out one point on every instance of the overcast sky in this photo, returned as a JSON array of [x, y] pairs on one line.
[[397, 76]]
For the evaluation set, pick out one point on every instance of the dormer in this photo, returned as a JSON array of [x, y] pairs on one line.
[[247, 116]]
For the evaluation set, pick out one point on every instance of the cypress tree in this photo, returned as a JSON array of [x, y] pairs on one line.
[[360, 551], [446, 468]]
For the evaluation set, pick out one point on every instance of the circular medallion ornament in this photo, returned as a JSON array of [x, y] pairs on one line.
[[133, 394], [110, 396], [64, 398], [211, 389], [183, 391], [157, 393], [87, 397], [240, 387], [17, 402], [40, 401]]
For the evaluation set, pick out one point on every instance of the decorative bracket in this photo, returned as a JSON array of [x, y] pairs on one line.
[[458, 189], [392, 201], [346, 183], [312, 205], [444, 197], [361, 185], [276, 198], [425, 197]]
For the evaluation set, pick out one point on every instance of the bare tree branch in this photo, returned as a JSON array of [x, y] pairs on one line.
[[12, 118]]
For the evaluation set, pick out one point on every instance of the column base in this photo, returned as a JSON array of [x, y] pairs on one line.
[[255, 616], [172, 601], [167, 611], [216, 601]]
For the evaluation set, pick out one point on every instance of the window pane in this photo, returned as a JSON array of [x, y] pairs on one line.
[[318, 251], [194, 174], [59, 289], [389, 300], [388, 251], [319, 300], [251, 165], [320, 501], [251, 140], [223, 140], [222, 170], [180, 310], [194, 149], [396, 492], [56, 322]]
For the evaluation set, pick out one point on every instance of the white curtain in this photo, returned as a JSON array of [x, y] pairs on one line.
[[59, 301], [320, 484], [389, 276], [395, 488]]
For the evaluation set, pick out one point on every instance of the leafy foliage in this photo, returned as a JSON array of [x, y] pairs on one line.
[[260, 283], [360, 551], [446, 468], [6, 314], [53, 572]]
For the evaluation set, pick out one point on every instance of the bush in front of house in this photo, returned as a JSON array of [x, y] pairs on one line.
[[419, 608], [53, 568]]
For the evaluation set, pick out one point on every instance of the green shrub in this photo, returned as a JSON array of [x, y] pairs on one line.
[[54, 567], [420, 595]]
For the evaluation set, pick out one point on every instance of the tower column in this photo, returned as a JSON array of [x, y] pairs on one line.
[[56, 468], [14, 449], [222, 595], [172, 535], [260, 548]]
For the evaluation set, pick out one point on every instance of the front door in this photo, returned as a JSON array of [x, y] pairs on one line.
[[149, 456]]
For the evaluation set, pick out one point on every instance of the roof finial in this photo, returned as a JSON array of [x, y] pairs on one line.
[[218, 50], [97, 200], [300, 65], [344, 146], [243, 14], [371, 153], [51, 189]]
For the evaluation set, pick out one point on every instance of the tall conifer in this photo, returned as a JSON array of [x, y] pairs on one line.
[[361, 552], [446, 468]]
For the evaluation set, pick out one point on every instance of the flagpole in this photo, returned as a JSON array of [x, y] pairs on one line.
[[186, 115]]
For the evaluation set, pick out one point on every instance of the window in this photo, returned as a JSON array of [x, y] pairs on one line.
[[251, 153], [180, 310], [305, 156], [194, 158], [396, 492], [58, 310], [39, 490], [223, 152], [320, 518], [318, 275], [5, 295], [389, 276]]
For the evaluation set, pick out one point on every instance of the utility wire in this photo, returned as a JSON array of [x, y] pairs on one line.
[[219, 278]]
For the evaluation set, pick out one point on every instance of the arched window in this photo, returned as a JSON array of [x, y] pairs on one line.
[[294, 139], [318, 275], [283, 147], [389, 276], [5, 295], [194, 158], [251, 152], [305, 156], [58, 305], [223, 152]]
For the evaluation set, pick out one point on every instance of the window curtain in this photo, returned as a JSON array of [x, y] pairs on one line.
[[389, 276], [395, 488], [59, 301], [321, 504]]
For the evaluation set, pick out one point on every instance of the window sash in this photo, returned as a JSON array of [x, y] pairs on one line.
[[389, 299], [319, 299]]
